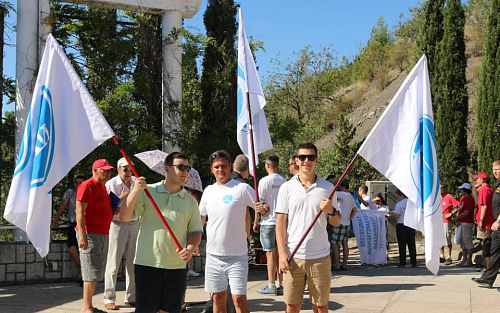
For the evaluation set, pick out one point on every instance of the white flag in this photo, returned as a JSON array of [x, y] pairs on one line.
[[248, 82], [402, 146], [64, 125]]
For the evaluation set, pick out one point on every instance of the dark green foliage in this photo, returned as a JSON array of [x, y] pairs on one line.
[[431, 33], [218, 81], [488, 105], [451, 98]]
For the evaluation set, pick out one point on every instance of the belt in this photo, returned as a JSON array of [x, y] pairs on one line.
[[125, 223]]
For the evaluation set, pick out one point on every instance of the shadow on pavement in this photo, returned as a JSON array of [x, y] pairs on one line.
[[368, 288]]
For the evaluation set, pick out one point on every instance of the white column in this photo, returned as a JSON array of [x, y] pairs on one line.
[[172, 74], [26, 61]]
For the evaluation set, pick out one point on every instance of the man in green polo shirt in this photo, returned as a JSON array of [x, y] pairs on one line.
[[160, 268]]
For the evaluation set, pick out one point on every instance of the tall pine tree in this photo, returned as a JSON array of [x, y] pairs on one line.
[[431, 33], [218, 81], [451, 95], [488, 104]]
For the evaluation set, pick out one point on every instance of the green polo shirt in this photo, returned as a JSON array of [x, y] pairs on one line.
[[155, 246]]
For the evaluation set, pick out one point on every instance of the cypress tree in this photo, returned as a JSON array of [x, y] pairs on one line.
[[431, 33], [219, 80], [488, 104], [451, 95]]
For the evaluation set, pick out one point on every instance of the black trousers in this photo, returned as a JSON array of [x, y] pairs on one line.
[[406, 236], [491, 273]]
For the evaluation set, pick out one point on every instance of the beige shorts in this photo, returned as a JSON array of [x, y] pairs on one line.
[[318, 276], [447, 233], [483, 234], [466, 236]]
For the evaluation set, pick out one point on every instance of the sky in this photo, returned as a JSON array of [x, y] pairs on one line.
[[289, 26]]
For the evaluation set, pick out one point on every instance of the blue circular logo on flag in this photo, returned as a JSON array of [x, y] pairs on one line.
[[424, 164], [37, 147]]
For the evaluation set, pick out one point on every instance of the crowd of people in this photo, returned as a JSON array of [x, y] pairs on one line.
[[112, 217]]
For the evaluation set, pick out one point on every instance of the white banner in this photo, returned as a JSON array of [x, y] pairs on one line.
[[64, 125], [370, 230]]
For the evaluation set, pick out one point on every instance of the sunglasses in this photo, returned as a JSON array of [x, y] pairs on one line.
[[182, 167], [310, 157], [215, 156], [125, 170]]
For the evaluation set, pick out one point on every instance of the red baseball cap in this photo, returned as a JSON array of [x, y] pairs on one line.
[[103, 164], [481, 175]]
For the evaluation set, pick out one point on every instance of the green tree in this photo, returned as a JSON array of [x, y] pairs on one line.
[[451, 95], [219, 80], [431, 33], [488, 104]]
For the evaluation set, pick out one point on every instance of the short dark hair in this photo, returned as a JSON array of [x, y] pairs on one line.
[[468, 191], [364, 188], [79, 177], [330, 177], [219, 154], [381, 196], [169, 160], [292, 160], [273, 161], [307, 145], [344, 183], [400, 193]]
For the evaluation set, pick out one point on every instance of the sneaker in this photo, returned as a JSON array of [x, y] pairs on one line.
[[268, 291], [193, 273], [279, 291]]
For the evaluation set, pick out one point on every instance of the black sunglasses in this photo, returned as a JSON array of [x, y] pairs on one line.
[[215, 156], [127, 169], [310, 157], [182, 167]]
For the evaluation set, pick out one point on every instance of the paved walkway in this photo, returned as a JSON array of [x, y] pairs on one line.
[[362, 288]]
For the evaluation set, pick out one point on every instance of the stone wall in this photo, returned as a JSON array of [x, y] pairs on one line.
[[21, 264]]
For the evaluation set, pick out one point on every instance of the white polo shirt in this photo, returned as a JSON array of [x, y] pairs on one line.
[[269, 187], [226, 207], [301, 206], [346, 203]]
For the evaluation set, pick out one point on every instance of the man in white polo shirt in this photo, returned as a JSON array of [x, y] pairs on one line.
[[299, 201], [225, 205]]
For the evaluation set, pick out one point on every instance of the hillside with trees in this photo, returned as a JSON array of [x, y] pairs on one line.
[[317, 96]]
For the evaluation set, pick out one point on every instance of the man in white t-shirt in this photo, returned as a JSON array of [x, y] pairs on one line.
[[364, 199], [224, 205], [299, 201], [340, 234], [405, 234], [269, 187]]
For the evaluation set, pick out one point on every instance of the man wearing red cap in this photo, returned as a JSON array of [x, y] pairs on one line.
[[484, 214], [93, 218], [490, 275]]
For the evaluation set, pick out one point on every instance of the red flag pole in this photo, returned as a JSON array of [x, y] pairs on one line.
[[149, 195], [347, 170], [250, 127]]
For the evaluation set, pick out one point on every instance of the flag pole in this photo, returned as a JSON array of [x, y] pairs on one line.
[[149, 195], [347, 170], [250, 127]]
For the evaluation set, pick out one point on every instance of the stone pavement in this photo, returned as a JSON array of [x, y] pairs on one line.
[[362, 288]]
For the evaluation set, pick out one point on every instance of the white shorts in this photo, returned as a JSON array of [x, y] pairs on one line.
[[220, 269]]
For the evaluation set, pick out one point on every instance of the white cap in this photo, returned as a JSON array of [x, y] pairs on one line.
[[122, 162], [465, 186]]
